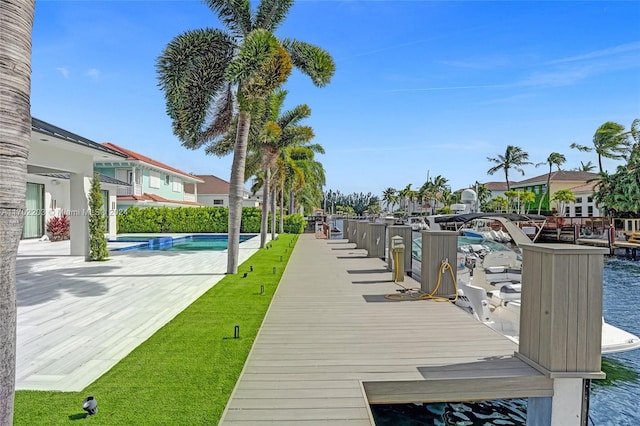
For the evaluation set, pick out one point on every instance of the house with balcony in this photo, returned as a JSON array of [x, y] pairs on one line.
[[580, 183], [214, 191], [152, 183], [59, 173]]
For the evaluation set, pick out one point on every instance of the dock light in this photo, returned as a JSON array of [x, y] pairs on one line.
[[90, 405], [274, 269], [280, 258], [245, 275], [251, 268], [261, 290], [236, 332]]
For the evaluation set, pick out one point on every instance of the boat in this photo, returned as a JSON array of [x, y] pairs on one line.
[[489, 283], [417, 223]]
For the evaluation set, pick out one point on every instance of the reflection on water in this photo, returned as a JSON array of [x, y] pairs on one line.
[[480, 413]]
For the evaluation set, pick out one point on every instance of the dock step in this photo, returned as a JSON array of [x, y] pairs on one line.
[[484, 380]]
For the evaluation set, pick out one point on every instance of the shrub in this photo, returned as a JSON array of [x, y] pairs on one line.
[[97, 222], [294, 224], [58, 228]]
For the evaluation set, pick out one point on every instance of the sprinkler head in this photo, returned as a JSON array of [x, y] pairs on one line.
[[90, 405]]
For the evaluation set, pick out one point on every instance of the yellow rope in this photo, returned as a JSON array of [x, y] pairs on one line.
[[416, 293]]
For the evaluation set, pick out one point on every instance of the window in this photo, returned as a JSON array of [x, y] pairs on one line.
[[589, 199], [177, 185], [589, 210], [167, 179], [578, 211], [218, 202], [154, 179], [578, 201]]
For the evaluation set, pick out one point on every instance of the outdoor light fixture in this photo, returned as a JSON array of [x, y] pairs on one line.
[[90, 405]]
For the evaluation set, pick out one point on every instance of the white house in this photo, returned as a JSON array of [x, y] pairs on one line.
[[59, 170], [215, 192]]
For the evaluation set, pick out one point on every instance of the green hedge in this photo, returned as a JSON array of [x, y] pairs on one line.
[[195, 219]]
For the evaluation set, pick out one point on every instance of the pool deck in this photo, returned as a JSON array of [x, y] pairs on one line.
[[77, 319], [331, 344]]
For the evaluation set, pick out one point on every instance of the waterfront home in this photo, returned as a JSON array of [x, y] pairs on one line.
[[151, 183], [59, 169], [214, 191]]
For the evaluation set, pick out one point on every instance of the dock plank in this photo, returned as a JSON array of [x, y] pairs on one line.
[[330, 334]]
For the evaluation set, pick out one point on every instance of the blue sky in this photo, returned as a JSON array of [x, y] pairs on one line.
[[421, 87]]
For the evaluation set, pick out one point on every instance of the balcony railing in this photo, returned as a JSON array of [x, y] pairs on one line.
[[130, 190], [190, 197]]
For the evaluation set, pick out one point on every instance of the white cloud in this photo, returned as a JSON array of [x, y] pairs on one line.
[[93, 73], [64, 71]]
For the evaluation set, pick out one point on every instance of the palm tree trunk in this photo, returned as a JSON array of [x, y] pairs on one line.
[[292, 203], [546, 191], [273, 215], [281, 228], [16, 22], [265, 206], [236, 188]]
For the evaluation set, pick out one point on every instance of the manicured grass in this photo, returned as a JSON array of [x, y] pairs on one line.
[[185, 373]]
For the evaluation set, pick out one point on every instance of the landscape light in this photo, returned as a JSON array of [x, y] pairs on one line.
[[90, 405]]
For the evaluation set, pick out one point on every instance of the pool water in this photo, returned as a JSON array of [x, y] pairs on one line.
[[188, 243]]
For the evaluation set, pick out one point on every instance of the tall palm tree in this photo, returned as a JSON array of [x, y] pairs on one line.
[[514, 158], [609, 141], [16, 20], [389, 197], [270, 132], [309, 177], [554, 159], [207, 74]]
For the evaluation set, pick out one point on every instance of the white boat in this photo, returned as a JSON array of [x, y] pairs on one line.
[[417, 223], [489, 278]]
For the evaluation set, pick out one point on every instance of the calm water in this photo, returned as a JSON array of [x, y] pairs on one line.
[[188, 243], [614, 401]]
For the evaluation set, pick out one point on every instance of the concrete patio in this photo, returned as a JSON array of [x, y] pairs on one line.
[[77, 319]]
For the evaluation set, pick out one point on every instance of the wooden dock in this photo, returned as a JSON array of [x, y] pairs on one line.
[[331, 344]]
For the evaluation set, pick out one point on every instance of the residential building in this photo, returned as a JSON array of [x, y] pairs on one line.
[[59, 173], [562, 179], [152, 183], [584, 205], [214, 191]]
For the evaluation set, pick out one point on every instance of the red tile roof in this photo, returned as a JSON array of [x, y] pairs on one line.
[[155, 198], [132, 155]]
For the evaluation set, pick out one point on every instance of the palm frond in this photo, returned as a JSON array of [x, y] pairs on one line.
[[191, 73], [258, 48], [313, 61], [294, 116], [271, 13], [234, 14]]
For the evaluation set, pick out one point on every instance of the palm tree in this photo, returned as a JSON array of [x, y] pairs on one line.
[[482, 192], [207, 74], [586, 167], [564, 197], [389, 197], [15, 134], [554, 159], [271, 131], [305, 176], [514, 158], [609, 141]]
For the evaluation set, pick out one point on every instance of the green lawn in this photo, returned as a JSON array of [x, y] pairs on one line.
[[185, 373]]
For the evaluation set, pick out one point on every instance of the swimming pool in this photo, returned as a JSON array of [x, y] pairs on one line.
[[196, 242]]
